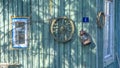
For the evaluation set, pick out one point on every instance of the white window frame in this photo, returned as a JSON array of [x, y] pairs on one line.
[[108, 58], [14, 29]]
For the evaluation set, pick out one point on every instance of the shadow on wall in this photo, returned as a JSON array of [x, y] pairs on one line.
[[43, 51]]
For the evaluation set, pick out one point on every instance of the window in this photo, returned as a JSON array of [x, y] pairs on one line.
[[20, 31], [108, 49]]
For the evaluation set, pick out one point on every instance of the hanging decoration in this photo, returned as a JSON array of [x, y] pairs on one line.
[[62, 29], [101, 19], [84, 36]]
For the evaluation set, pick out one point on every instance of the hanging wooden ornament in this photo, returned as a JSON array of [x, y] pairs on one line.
[[62, 29]]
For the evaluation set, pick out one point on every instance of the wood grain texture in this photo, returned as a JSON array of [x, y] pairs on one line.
[[43, 51]]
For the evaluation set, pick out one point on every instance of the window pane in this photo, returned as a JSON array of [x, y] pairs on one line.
[[20, 32], [19, 24]]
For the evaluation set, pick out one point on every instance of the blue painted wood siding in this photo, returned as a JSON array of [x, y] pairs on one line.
[[117, 33], [43, 51]]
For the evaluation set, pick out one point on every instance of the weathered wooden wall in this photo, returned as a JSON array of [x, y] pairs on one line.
[[43, 50], [117, 33], [100, 7], [116, 62]]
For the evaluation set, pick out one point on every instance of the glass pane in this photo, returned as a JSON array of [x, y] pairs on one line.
[[20, 32], [21, 38], [19, 24]]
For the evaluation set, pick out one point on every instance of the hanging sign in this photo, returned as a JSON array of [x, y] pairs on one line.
[[85, 19]]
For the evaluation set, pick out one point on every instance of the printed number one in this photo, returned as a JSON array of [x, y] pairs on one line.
[[85, 19]]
